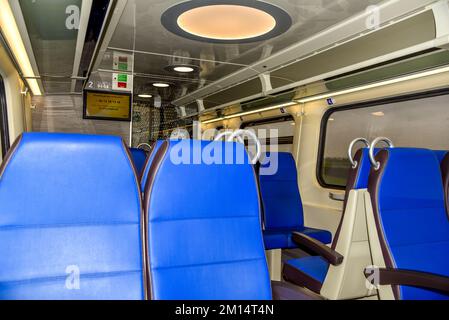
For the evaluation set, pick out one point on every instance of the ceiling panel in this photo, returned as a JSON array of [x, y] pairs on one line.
[[141, 33]]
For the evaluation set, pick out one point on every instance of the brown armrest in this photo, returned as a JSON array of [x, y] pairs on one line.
[[310, 244], [409, 278]]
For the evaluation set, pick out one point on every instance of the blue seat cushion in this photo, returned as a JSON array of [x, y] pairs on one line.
[[309, 272], [282, 239]]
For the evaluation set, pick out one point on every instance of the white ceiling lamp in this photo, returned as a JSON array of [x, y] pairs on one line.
[[246, 113], [11, 32], [378, 114], [145, 96], [376, 85], [161, 85], [184, 69], [224, 21]]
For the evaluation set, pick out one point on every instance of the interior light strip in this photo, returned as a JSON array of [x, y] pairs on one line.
[[375, 85], [12, 35], [245, 113]]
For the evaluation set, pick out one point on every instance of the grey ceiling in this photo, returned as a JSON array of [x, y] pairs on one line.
[[140, 32]]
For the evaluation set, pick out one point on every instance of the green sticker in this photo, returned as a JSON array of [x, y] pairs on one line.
[[123, 66], [122, 78]]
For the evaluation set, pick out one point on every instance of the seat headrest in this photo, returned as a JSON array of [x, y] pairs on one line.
[[70, 201], [410, 175], [205, 238], [282, 163]]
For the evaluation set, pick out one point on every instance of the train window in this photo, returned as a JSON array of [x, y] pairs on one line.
[[4, 131], [402, 119], [285, 127]]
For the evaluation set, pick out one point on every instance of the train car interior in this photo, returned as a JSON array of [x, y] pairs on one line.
[[213, 150]]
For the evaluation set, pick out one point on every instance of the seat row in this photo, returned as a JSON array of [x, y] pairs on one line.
[[395, 218], [326, 272], [74, 224]]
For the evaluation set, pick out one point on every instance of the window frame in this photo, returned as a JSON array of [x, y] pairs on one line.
[[360, 105], [4, 122]]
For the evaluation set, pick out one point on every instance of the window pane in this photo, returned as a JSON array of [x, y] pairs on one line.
[[420, 123]]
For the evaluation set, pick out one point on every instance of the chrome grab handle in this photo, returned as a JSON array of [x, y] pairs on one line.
[[238, 135], [251, 134], [144, 145], [337, 196], [226, 134], [351, 146], [374, 163]]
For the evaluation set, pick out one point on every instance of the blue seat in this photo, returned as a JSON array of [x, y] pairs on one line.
[[204, 235], [413, 228], [441, 154], [310, 272], [139, 157], [147, 166], [70, 222], [282, 205]]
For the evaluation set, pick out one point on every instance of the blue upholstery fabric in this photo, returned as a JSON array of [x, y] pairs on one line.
[[315, 267], [69, 203], [139, 156], [440, 154], [283, 239], [363, 169], [282, 205], [204, 235], [413, 217], [148, 162]]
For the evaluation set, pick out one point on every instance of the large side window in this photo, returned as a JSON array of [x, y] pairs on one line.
[[420, 121], [4, 131]]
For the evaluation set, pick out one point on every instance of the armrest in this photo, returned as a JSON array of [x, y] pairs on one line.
[[310, 244], [410, 278]]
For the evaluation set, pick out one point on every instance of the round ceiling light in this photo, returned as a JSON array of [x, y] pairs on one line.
[[229, 21], [183, 69], [161, 85], [145, 96]]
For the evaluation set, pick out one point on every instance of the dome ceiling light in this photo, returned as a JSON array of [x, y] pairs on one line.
[[229, 21], [182, 68], [145, 96], [161, 85]]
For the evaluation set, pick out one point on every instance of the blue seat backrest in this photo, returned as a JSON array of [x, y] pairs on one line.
[[70, 210], [440, 154], [408, 202], [362, 171], [280, 193], [139, 156], [146, 168], [204, 235]]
